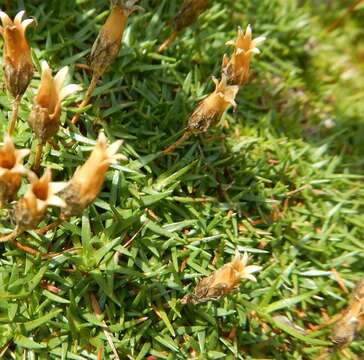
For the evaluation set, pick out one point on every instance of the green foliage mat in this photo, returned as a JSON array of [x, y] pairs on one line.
[[280, 178]]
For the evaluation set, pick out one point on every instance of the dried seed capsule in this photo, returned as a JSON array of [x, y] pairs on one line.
[[31, 208], [46, 111], [188, 13], [209, 111], [237, 67], [223, 281], [352, 321], [17, 64], [87, 180], [186, 16], [11, 170], [18, 68], [107, 44]]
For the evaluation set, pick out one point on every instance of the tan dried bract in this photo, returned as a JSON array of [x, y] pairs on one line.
[[45, 114], [352, 321], [11, 170], [223, 281], [18, 68], [107, 44], [87, 180], [31, 208], [237, 67]]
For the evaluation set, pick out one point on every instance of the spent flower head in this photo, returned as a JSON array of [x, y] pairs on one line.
[[352, 320], [237, 67], [223, 281], [18, 68], [210, 110], [46, 110], [87, 180], [11, 170], [107, 44], [31, 208]]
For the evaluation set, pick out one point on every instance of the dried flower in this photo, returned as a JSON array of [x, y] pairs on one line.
[[107, 44], [87, 180], [31, 208], [46, 111], [352, 320], [11, 170], [223, 281], [186, 16], [18, 68], [237, 68], [209, 111]]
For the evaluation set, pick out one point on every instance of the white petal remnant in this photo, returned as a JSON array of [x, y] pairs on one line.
[[223, 281]]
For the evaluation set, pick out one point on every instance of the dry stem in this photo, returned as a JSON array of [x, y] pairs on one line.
[[14, 115], [348, 11], [168, 41], [182, 139], [51, 226], [11, 236], [86, 99], [38, 157]]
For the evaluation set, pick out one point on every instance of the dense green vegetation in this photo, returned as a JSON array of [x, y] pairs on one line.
[[281, 178]]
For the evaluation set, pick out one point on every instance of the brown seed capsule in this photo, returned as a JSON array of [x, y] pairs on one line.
[[31, 208], [87, 180], [237, 68], [11, 170], [223, 281], [188, 13], [209, 111], [352, 321], [186, 16], [46, 110], [107, 44], [18, 68]]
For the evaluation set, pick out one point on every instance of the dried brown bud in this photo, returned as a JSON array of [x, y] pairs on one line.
[[87, 180], [222, 281], [186, 16], [31, 208], [210, 110], [18, 68], [46, 110], [237, 68], [107, 44], [352, 320], [11, 170], [188, 13]]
